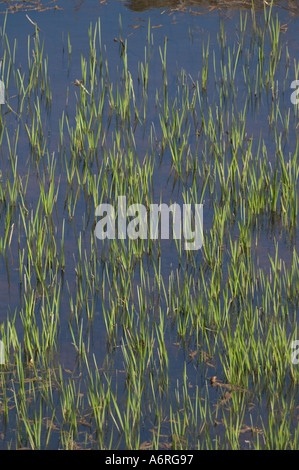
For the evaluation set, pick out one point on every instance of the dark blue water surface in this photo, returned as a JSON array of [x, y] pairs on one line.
[[187, 27]]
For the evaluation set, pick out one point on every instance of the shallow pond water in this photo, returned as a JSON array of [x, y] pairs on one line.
[[153, 346]]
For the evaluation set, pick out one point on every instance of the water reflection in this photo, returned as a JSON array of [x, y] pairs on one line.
[[14, 6], [191, 6]]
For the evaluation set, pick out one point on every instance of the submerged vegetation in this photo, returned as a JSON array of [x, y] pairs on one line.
[[169, 348]]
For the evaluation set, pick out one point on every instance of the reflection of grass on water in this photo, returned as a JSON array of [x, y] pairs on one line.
[[14, 6], [228, 320]]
